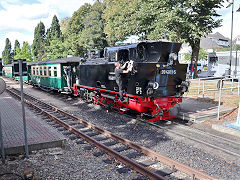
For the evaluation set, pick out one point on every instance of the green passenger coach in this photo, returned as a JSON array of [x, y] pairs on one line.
[[8, 70], [57, 74]]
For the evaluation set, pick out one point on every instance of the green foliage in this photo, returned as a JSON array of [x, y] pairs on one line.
[[6, 54], [120, 19], [55, 32], [24, 53], [85, 29], [16, 45], [75, 24], [175, 20], [92, 35], [64, 25], [53, 35], [56, 49], [73, 39], [38, 46], [202, 55]]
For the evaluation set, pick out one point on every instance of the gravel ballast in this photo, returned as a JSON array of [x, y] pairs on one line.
[[143, 134]]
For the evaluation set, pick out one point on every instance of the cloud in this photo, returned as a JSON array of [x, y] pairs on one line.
[[12, 36], [225, 29], [19, 19]]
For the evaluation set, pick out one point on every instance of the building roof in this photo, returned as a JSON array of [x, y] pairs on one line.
[[217, 35], [210, 42]]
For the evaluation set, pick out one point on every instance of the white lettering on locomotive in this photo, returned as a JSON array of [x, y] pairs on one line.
[[169, 72], [138, 90]]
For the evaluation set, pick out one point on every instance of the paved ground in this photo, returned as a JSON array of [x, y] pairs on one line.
[[199, 110], [40, 135]]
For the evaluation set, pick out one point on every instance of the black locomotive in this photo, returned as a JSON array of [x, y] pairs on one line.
[[154, 85]]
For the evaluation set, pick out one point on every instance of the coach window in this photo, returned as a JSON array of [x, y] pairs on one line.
[[33, 70], [49, 71], [45, 71], [55, 71], [41, 71]]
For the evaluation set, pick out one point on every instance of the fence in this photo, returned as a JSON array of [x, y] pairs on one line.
[[217, 84]]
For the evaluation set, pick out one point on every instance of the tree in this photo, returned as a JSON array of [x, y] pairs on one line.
[[56, 49], [64, 25], [6, 54], [16, 45], [53, 39], [175, 20], [54, 32], [202, 55], [120, 21], [92, 35], [24, 53], [38, 46], [74, 30]]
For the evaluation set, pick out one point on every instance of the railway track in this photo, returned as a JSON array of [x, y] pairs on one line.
[[127, 152], [211, 140]]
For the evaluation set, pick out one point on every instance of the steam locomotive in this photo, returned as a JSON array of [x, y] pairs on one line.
[[153, 87]]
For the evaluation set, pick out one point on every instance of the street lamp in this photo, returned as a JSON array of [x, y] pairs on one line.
[[236, 49], [232, 3]]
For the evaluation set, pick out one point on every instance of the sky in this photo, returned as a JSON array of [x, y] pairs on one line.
[[18, 18]]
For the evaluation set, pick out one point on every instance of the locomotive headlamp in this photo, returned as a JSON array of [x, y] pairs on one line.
[[154, 85], [158, 65]]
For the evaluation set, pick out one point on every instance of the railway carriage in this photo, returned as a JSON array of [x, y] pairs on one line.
[[54, 74], [8, 70]]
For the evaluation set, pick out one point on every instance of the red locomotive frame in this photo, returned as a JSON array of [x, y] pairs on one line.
[[157, 107]]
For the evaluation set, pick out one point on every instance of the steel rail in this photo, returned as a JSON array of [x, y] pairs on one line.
[[194, 139], [209, 134], [136, 166], [148, 152]]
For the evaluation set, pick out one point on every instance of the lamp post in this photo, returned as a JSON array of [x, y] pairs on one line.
[[231, 37], [236, 49]]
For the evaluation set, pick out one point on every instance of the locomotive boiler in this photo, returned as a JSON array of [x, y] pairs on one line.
[[153, 87]]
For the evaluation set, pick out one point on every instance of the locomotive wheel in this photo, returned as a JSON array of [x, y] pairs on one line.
[[121, 111], [156, 110]]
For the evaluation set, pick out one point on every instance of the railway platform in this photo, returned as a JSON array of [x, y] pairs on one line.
[[40, 135], [198, 111]]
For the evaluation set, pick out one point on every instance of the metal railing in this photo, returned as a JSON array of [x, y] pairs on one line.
[[217, 84]]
